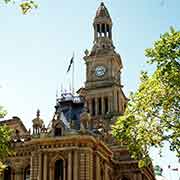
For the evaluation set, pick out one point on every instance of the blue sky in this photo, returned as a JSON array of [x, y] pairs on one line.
[[35, 50]]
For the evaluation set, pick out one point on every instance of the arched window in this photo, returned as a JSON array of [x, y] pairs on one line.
[[103, 30], [107, 27], [59, 174], [7, 173], [98, 30], [27, 173]]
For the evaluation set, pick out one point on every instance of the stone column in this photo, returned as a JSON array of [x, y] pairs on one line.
[[105, 30], [100, 25], [70, 165], [98, 170], [87, 70], [34, 166], [75, 166], [90, 105], [18, 173], [51, 173], [45, 167], [96, 105], [95, 32], [115, 101], [12, 176], [106, 172], [138, 176], [40, 166], [91, 165], [110, 32], [110, 103]]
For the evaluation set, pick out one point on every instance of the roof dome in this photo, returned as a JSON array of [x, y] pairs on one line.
[[38, 121]]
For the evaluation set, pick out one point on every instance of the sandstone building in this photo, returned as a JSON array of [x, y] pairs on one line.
[[77, 144]]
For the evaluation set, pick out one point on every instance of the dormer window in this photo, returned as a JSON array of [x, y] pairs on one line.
[[58, 131]]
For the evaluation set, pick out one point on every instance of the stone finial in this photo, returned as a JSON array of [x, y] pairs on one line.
[[86, 52], [38, 113]]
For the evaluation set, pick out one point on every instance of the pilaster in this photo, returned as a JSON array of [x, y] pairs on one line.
[[106, 172], [98, 170], [70, 165], [45, 167], [85, 172], [110, 103], [19, 173], [91, 166], [34, 166], [75, 166], [96, 105], [103, 105], [40, 166], [115, 100], [90, 105]]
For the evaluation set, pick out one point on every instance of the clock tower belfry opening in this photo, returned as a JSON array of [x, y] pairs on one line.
[[103, 93], [102, 24]]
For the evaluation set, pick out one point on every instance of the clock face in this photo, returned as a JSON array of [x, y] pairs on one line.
[[100, 71]]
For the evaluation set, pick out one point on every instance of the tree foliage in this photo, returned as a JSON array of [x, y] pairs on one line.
[[5, 137], [26, 5], [5, 150], [153, 112], [3, 112]]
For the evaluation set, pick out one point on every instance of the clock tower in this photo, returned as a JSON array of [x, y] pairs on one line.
[[103, 89]]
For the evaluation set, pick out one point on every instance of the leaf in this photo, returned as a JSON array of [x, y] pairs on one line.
[[153, 112]]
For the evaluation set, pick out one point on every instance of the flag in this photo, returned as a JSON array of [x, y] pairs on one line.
[[71, 61], [175, 169]]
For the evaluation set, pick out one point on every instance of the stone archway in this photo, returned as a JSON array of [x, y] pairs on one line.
[[57, 168]]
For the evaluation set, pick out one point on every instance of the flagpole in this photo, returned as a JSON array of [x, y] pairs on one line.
[[73, 76]]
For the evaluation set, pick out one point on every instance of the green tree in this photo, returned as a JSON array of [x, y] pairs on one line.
[[3, 112], [5, 137], [5, 150], [153, 112], [26, 5]]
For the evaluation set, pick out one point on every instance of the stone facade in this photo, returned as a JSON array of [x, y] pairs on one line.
[[77, 144]]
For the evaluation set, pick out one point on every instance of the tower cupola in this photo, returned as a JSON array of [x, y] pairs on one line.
[[102, 24]]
